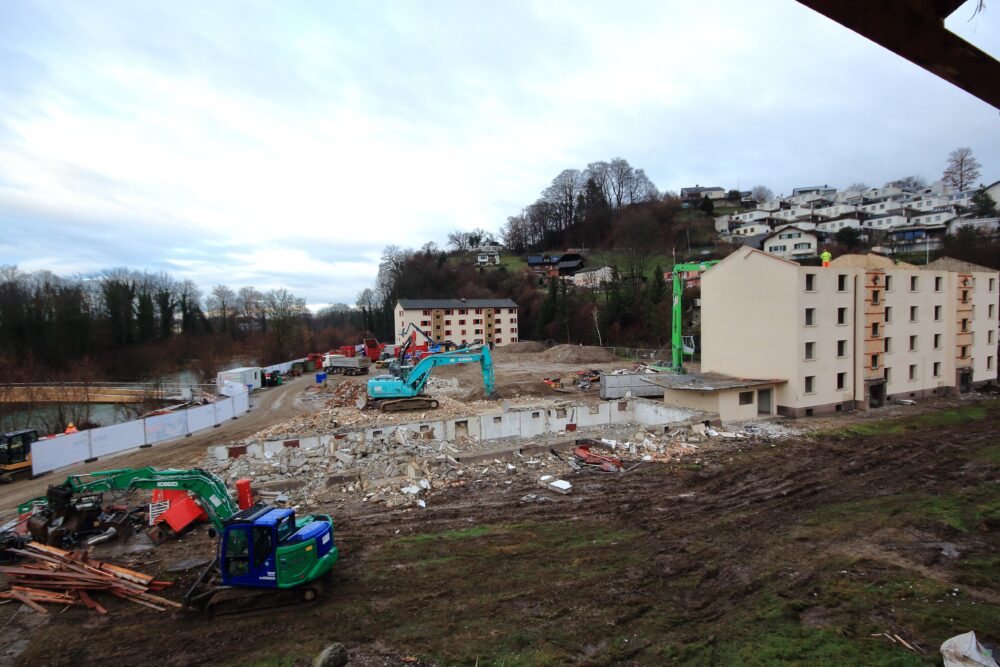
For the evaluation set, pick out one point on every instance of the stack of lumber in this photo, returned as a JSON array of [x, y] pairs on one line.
[[54, 576]]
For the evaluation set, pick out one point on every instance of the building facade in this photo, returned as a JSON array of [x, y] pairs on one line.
[[853, 335], [461, 321]]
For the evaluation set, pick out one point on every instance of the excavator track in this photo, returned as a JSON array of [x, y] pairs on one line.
[[215, 600], [406, 404]]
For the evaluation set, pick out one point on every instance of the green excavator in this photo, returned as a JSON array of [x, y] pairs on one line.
[[266, 556]]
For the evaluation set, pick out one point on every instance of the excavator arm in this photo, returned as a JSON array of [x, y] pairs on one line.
[[676, 334], [400, 393]]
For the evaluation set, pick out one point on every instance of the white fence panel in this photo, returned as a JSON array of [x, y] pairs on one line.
[[200, 418], [165, 427], [241, 403], [61, 451], [223, 410], [110, 439]]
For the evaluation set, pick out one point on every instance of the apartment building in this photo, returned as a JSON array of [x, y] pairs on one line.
[[853, 335], [462, 321]]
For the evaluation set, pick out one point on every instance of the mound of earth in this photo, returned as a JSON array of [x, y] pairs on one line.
[[577, 354], [523, 347]]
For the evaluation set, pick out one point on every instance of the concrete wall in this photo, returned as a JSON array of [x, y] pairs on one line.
[[725, 402], [616, 386]]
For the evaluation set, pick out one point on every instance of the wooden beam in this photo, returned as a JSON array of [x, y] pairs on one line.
[[914, 29]]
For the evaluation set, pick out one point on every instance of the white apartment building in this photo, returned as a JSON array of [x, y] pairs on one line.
[[853, 335], [834, 226], [462, 321]]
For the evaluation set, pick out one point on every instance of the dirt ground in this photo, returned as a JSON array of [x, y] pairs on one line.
[[797, 551]]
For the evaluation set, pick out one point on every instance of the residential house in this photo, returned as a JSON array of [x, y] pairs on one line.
[[853, 335], [462, 321], [791, 243], [698, 192], [487, 258], [555, 265]]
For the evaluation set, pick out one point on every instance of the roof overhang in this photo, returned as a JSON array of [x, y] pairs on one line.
[[914, 29]]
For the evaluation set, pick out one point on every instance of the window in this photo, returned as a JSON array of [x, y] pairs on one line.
[[937, 369], [888, 314], [875, 296], [237, 551], [802, 246], [989, 363], [809, 383], [447, 322], [463, 311], [989, 336], [888, 283], [913, 371], [498, 340], [965, 324], [447, 332], [937, 313], [888, 374], [874, 361], [810, 317], [841, 348], [842, 282], [992, 284], [810, 282], [447, 311], [461, 321], [989, 311], [888, 344], [263, 541], [479, 311], [913, 313], [964, 352], [913, 283], [913, 343], [874, 329], [513, 330], [841, 381], [463, 332], [810, 351], [478, 331], [842, 316], [477, 321], [965, 296], [425, 323], [746, 398]]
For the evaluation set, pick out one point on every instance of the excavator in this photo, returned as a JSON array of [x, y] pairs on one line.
[[15, 454], [265, 558], [403, 388], [677, 339]]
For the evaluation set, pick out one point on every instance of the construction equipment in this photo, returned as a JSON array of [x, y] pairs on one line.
[[676, 337], [337, 364], [403, 389], [260, 547], [15, 454]]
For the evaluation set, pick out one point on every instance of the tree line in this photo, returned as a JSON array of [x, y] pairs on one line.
[[130, 324]]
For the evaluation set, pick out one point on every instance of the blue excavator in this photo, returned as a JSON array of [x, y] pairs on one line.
[[403, 388]]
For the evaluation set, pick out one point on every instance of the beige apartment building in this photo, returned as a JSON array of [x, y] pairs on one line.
[[461, 321], [853, 335]]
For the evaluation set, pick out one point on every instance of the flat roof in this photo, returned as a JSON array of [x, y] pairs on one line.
[[423, 304], [707, 381]]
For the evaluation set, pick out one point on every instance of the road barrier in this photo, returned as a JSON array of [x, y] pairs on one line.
[[91, 444]]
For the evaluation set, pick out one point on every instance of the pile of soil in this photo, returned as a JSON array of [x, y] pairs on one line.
[[577, 354], [523, 347]]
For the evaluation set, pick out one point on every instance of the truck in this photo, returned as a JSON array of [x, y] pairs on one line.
[[265, 557], [403, 388], [337, 364]]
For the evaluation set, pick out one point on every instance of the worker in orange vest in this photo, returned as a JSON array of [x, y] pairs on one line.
[[826, 257], [70, 429]]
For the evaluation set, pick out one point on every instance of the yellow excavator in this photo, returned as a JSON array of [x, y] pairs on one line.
[[15, 454]]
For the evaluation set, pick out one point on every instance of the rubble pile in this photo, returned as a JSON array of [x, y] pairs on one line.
[[401, 467], [349, 393]]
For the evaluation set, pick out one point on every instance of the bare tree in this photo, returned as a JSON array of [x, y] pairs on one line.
[[249, 307], [761, 194], [858, 186], [222, 306], [962, 170], [620, 175], [632, 239], [909, 183], [284, 313], [459, 240], [600, 172], [563, 194]]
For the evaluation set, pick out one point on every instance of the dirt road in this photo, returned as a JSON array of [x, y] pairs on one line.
[[799, 551], [267, 407]]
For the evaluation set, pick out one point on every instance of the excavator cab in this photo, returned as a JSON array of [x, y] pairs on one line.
[[266, 547], [15, 454]]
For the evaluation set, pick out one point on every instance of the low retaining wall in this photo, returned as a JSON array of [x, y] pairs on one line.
[[616, 386]]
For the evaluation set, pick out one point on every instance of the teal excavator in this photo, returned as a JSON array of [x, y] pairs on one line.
[[403, 388]]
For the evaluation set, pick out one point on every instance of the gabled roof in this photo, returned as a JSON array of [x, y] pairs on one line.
[[869, 261], [427, 304]]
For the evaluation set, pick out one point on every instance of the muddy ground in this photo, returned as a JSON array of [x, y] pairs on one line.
[[800, 551]]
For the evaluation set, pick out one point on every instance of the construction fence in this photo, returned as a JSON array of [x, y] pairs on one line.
[[64, 450]]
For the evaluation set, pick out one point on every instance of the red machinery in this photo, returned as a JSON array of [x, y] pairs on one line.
[[583, 455]]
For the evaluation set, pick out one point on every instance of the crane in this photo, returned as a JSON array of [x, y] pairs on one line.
[[402, 390], [281, 559], [676, 335]]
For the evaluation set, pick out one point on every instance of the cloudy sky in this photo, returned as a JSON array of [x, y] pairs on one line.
[[285, 144]]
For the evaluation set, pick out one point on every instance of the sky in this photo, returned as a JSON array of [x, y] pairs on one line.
[[280, 144]]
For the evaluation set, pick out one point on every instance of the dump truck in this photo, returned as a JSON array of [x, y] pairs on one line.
[[337, 364]]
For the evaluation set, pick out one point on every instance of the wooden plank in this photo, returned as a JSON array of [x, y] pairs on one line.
[[29, 602], [87, 600]]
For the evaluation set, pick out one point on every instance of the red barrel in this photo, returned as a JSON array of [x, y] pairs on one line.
[[244, 494]]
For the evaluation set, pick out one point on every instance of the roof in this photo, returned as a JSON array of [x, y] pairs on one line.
[[958, 265], [569, 263], [707, 381], [869, 261], [785, 230], [699, 188], [422, 304], [754, 241], [593, 269]]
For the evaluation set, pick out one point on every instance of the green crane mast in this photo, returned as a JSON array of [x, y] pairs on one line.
[[676, 339]]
